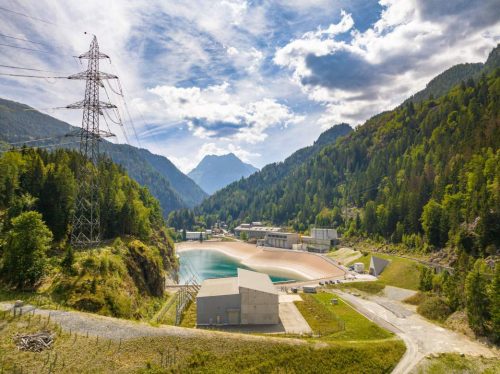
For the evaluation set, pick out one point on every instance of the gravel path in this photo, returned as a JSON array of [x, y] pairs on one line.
[[116, 329]]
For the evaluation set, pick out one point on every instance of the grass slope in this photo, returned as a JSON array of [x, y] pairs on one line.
[[80, 354], [323, 317], [400, 272], [456, 364]]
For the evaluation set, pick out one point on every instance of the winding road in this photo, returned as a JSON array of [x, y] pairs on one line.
[[421, 337]]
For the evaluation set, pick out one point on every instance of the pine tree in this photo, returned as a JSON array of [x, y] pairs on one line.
[[477, 300]]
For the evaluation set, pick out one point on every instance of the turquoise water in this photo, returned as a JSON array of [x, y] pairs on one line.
[[211, 264]]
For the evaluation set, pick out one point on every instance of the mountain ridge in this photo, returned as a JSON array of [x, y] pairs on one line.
[[217, 171], [20, 123]]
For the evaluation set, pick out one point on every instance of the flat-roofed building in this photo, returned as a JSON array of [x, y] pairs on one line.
[[248, 299], [195, 235], [281, 239], [255, 230], [320, 240]]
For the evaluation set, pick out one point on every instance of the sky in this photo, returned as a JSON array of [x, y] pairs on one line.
[[260, 79]]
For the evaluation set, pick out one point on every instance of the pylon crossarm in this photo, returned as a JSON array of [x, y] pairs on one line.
[[86, 75], [88, 55], [91, 105]]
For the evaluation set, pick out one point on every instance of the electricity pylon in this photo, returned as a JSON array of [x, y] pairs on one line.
[[86, 219]]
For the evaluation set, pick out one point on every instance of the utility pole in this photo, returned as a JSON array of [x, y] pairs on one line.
[[85, 229]]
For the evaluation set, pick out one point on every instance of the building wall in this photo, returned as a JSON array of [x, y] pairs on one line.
[[191, 235], [210, 307], [324, 234], [252, 234], [258, 308], [278, 240]]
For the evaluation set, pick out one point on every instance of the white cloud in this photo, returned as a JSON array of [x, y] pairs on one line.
[[380, 67], [215, 111]]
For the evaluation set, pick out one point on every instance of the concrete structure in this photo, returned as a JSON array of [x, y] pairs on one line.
[[255, 230], [377, 265], [359, 267], [248, 299], [195, 235], [281, 239], [320, 240]]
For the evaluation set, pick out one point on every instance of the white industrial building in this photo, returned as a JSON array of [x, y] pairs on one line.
[[281, 239], [248, 299], [320, 240], [195, 235], [255, 230]]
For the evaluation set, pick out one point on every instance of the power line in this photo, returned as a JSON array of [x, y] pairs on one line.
[[118, 117], [22, 68], [30, 76], [128, 112], [26, 49], [27, 16], [24, 40]]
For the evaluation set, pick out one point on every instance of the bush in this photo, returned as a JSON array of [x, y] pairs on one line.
[[416, 299], [434, 308]]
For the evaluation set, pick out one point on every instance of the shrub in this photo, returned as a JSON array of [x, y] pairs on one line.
[[434, 308], [416, 299]]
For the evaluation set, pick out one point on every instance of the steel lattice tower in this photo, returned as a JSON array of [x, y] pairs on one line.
[[86, 220]]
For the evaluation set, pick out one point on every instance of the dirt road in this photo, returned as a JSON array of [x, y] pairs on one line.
[[420, 336]]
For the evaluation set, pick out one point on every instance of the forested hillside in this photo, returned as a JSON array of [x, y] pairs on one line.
[[441, 84], [429, 170], [37, 200], [20, 123]]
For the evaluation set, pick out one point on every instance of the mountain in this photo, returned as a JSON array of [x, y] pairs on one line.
[[20, 123], [443, 82], [255, 190], [425, 172], [215, 172]]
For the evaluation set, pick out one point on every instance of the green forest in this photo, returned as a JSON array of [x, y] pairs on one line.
[[37, 199]]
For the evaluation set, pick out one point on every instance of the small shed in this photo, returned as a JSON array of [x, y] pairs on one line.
[[359, 267], [377, 265]]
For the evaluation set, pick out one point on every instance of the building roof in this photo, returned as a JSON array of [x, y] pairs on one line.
[[378, 265], [230, 286], [258, 228], [219, 287], [256, 281]]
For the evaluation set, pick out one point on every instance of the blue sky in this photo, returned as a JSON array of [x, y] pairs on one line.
[[256, 78]]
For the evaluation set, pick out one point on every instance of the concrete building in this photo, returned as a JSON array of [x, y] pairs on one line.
[[281, 239], [377, 265], [248, 299], [255, 230], [359, 267], [320, 240], [195, 235]]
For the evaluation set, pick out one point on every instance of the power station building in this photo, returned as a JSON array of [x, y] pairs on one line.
[[255, 230], [248, 299], [281, 239]]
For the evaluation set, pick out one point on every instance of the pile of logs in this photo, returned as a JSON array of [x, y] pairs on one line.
[[34, 342]]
